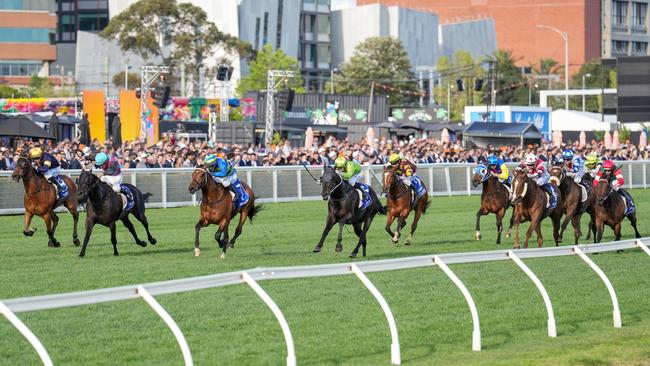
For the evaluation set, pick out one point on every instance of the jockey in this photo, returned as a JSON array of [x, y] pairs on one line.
[[538, 173], [405, 170], [499, 169], [593, 164], [47, 165], [350, 171], [111, 170], [614, 176], [224, 173], [574, 166]]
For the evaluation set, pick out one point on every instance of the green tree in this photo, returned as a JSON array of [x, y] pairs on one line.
[[266, 60], [381, 60], [133, 80], [176, 33], [8, 92], [40, 87], [468, 71], [511, 88]]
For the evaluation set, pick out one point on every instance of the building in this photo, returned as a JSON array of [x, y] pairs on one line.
[[73, 16], [27, 29], [417, 30], [478, 37], [515, 22], [315, 51], [625, 28]]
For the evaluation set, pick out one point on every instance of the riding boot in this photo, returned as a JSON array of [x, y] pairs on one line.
[[59, 189], [628, 201], [549, 188], [358, 187]]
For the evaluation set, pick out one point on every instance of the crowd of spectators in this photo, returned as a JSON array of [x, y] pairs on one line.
[[184, 153]]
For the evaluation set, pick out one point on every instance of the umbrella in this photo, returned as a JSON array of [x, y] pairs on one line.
[[84, 129], [370, 137], [643, 140], [583, 139], [444, 136], [309, 138], [607, 140], [22, 126], [54, 127], [615, 142], [117, 132]]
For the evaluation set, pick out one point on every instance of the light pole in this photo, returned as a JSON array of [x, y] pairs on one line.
[[448, 101], [565, 37], [332, 72], [126, 76], [583, 89]]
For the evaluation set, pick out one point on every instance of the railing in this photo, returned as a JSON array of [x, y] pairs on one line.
[[289, 183], [250, 277]]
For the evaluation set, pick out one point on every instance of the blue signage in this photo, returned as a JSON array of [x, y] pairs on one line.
[[540, 119]]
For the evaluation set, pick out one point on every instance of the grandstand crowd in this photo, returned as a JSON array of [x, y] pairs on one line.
[[187, 154]]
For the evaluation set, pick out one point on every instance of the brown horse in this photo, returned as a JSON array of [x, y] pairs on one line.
[[41, 200], [495, 198], [530, 204], [400, 205], [610, 211], [574, 205], [217, 207]]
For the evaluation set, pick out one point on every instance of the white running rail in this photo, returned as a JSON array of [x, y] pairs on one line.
[[147, 291]]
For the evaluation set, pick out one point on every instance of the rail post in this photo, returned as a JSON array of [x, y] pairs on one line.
[[27, 333], [616, 313]]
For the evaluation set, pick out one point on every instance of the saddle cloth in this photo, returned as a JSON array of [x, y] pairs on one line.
[[128, 201], [364, 196], [585, 194], [60, 193]]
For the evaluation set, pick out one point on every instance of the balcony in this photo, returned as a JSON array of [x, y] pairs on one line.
[[639, 29], [619, 27]]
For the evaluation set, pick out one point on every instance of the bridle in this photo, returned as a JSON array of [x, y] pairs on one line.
[[91, 187], [23, 175], [516, 197], [329, 194], [609, 191], [204, 183], [393, 183]]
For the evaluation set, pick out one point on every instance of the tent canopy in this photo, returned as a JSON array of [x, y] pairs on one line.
[[508, 130], [21, 126]]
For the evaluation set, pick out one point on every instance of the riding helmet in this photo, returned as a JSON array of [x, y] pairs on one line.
[[492, 160], [100, 158], [567, 154], [393, 158], [608, 165], [531, 159], [35, 152], [339, 162], [210, 159]]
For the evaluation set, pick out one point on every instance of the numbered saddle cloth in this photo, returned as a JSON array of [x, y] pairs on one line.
[[241, 197], [365, 198], [61, 188], [418, 186], [128, 201]]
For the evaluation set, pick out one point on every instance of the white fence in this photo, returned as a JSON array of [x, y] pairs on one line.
[[288, 183], [250, 277]]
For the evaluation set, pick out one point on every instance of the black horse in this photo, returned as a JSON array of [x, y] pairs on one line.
[[343, 208], [104, 207]]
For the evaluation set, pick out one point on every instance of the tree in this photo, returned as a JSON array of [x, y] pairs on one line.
[[8, 92], [133, 80], [381, 60], [176, 33], [511, 88], [266, 60], [468, 71], [40, 87]]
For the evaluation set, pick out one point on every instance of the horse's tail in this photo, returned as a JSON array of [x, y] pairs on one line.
[[254, 210], [426, 207], [145, 196]]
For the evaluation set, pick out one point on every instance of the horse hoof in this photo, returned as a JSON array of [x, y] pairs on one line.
[[196, 253], [231, 245], [76, 242], [142, 243], [407, 243], [516, 246], [223, 255], [353, 255], [339, 248], [395, 242], [317, 249], [477, 236], [29, 233], [82, 256], [153, 241]]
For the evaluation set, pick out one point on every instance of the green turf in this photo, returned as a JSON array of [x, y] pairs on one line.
[[334, 320]]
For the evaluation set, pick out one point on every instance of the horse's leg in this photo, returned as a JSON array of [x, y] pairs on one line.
[[242, 219], [512, 222], [27, 231], [414, 225], [556, 217], [359, 232], [515, 221], [328, 227], [389, 222], [600, 227], [538, 231], [577, 233], [364, 233], [481, 211], [592, 226], [499, 221], [129, 225], [197, 228], [48, 218], [401, 222], [339, 239], [534, 221], [632, 218], [223, 227], [111, 226], [139, 215], [72, 208], [570, 213], [89, 229], [617, 231]]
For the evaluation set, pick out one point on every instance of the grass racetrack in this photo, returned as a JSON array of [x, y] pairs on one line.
[[334, 320]]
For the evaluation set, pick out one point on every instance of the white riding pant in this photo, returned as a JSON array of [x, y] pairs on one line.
[[541, 180], [113, 180], [406, 180], [52, 173], [353, 179], [226, 181]]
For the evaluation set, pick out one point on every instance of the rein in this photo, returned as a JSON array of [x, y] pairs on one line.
[[395, 182], [205, 183], [609, 192], [41, 188]]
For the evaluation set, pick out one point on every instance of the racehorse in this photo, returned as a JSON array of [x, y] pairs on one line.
[[343, 208], [531, 204], [495, 198], [105, 207], [41, 200], [400, 205], [217, 207], [575, 204], [610, 211]]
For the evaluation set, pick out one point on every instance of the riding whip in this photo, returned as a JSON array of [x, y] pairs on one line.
[[312, 176]]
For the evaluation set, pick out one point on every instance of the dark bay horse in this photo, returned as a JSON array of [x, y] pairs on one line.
[[343, 208], [104, 207], [41, 200], [610, 211], [495, 198], [400, 205], [530, 204], [573, 204], [217, 208]]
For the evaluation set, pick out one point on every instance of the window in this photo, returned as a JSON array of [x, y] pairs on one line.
[[639, 48], [278, 34], [619, 14], [93, 4], [266, 28], [619, 47], [25, 35], [639, 16], [323, 24], [20, 69], [93, 21], [323, 53]]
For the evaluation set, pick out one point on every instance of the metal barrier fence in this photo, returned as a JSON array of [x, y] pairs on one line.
[[250, 277], [289, 183]]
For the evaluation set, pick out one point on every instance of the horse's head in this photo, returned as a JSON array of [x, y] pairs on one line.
[[199, 180], [389, 178], [329, 181], [519, 185], [23, 168], [557, 175], [85, 183], [603, 190], [480, 175]]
